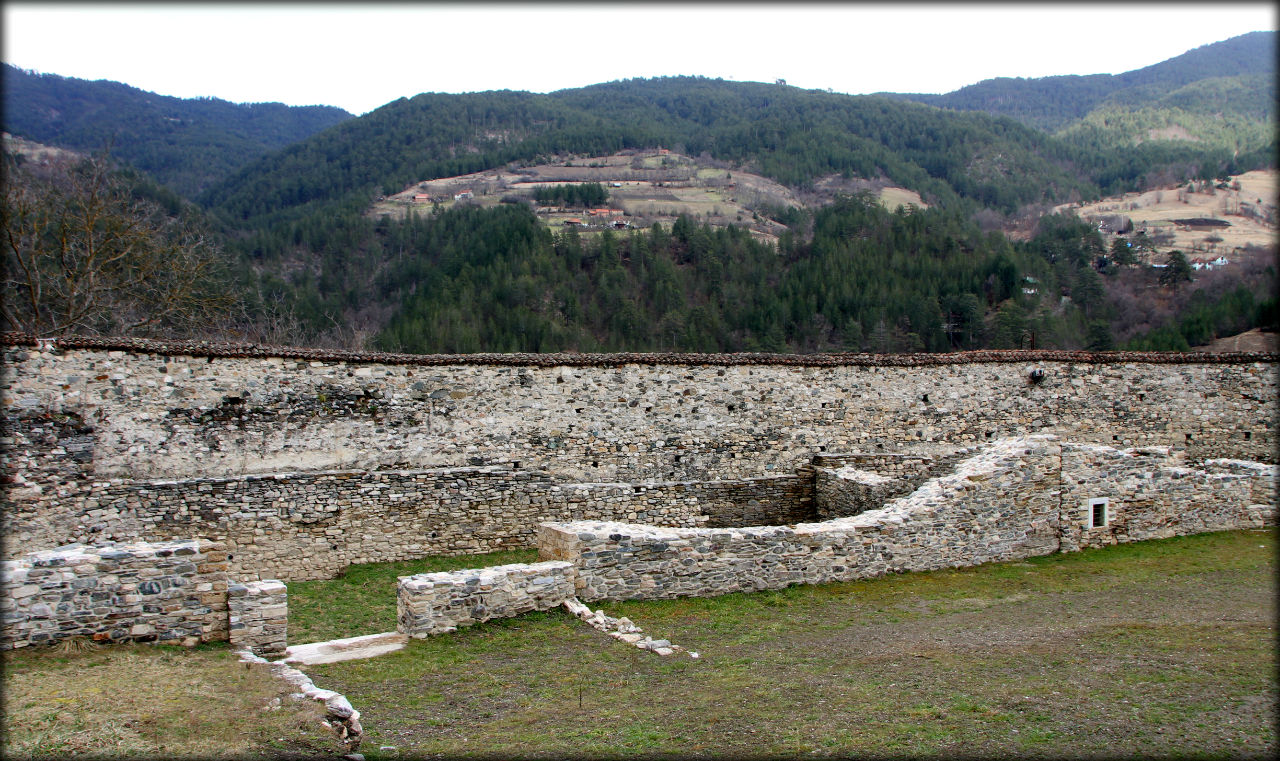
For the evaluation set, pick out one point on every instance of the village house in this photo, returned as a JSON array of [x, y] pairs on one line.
[[1200, 263]]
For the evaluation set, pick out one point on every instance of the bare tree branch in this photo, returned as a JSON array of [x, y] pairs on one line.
[[82, 254]]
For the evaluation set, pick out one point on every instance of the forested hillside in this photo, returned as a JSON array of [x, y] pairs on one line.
[[497, 280], [793, 136], [315, 264], [186, 144], [1051, 103]]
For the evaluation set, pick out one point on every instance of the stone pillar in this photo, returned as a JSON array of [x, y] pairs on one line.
[[259, 617]]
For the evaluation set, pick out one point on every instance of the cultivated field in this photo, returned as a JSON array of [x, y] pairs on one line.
[[1247, 204], [648, 186]]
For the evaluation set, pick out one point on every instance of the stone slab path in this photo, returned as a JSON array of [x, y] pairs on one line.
[[347, 649]]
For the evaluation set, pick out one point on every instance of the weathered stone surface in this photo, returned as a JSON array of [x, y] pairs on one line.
[[259, 617], [304, 462], [92, 594], [1015, 498], [435, 603]]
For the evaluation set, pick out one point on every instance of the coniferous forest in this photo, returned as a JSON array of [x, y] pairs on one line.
[[303, 259]]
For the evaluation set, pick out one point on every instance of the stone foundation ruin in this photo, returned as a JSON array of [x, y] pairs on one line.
[[651, 475]]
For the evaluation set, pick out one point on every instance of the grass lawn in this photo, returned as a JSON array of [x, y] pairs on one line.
[[1154, 648], [1162, 648], [363, 599], [153, 701]]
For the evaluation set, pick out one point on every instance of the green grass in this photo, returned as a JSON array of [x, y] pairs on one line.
[[1153, 648], [363, 599]]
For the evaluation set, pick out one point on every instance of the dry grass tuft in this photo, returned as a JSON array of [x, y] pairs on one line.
[[72, 645]]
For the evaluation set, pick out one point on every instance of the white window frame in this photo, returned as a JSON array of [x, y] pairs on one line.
[[1090, 504]]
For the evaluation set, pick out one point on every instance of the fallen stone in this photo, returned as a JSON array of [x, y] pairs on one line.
[[339, 706]]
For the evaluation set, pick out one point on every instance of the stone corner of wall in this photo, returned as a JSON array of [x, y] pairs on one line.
[[259, 616]]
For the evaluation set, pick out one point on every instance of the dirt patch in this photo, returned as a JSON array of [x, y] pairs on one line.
[[1172, 132], [154, 702], [37, 152], [1251, 340]]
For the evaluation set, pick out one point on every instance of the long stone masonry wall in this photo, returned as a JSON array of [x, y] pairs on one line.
[[298, 526], [304, 462], [1019, 498], [600, 418]]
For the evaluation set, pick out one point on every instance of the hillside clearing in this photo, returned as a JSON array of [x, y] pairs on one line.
[[650, 187], [1247, 204]]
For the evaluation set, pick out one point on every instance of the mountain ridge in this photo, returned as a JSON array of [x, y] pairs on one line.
[[185, 143]]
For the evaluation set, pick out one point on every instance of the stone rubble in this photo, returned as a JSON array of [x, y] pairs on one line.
[[340, 716], [621, 629]]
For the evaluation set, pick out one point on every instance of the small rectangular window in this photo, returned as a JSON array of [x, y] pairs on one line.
[[1097, 513]]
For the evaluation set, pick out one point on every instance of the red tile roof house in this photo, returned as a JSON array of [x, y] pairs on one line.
[[464, 194]]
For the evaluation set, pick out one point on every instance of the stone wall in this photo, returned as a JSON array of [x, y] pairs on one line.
[[170, 592], [298, 526], [163, 414], [303, 462], [852, 483], [435, 603], [1017, 498], [259, 617], [1151, 493]]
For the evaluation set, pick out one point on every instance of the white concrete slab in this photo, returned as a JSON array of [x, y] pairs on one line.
[[347, 649]]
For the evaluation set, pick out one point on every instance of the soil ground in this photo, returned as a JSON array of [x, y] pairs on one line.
[[149, 701], [1251, 340], [1154, 648]]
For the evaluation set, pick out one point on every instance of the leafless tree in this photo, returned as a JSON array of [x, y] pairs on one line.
[[83, 255]]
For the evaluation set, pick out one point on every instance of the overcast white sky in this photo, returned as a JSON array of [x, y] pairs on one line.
[[360, 57]]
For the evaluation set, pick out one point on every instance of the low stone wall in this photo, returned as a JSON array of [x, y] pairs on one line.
[[173, 591], [852, 483], [1017, 498], [299, 526], [1264, 480], [259, 617], [435, 603], [999, 505], [768, 500], [840, 493], [1150, 493]]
